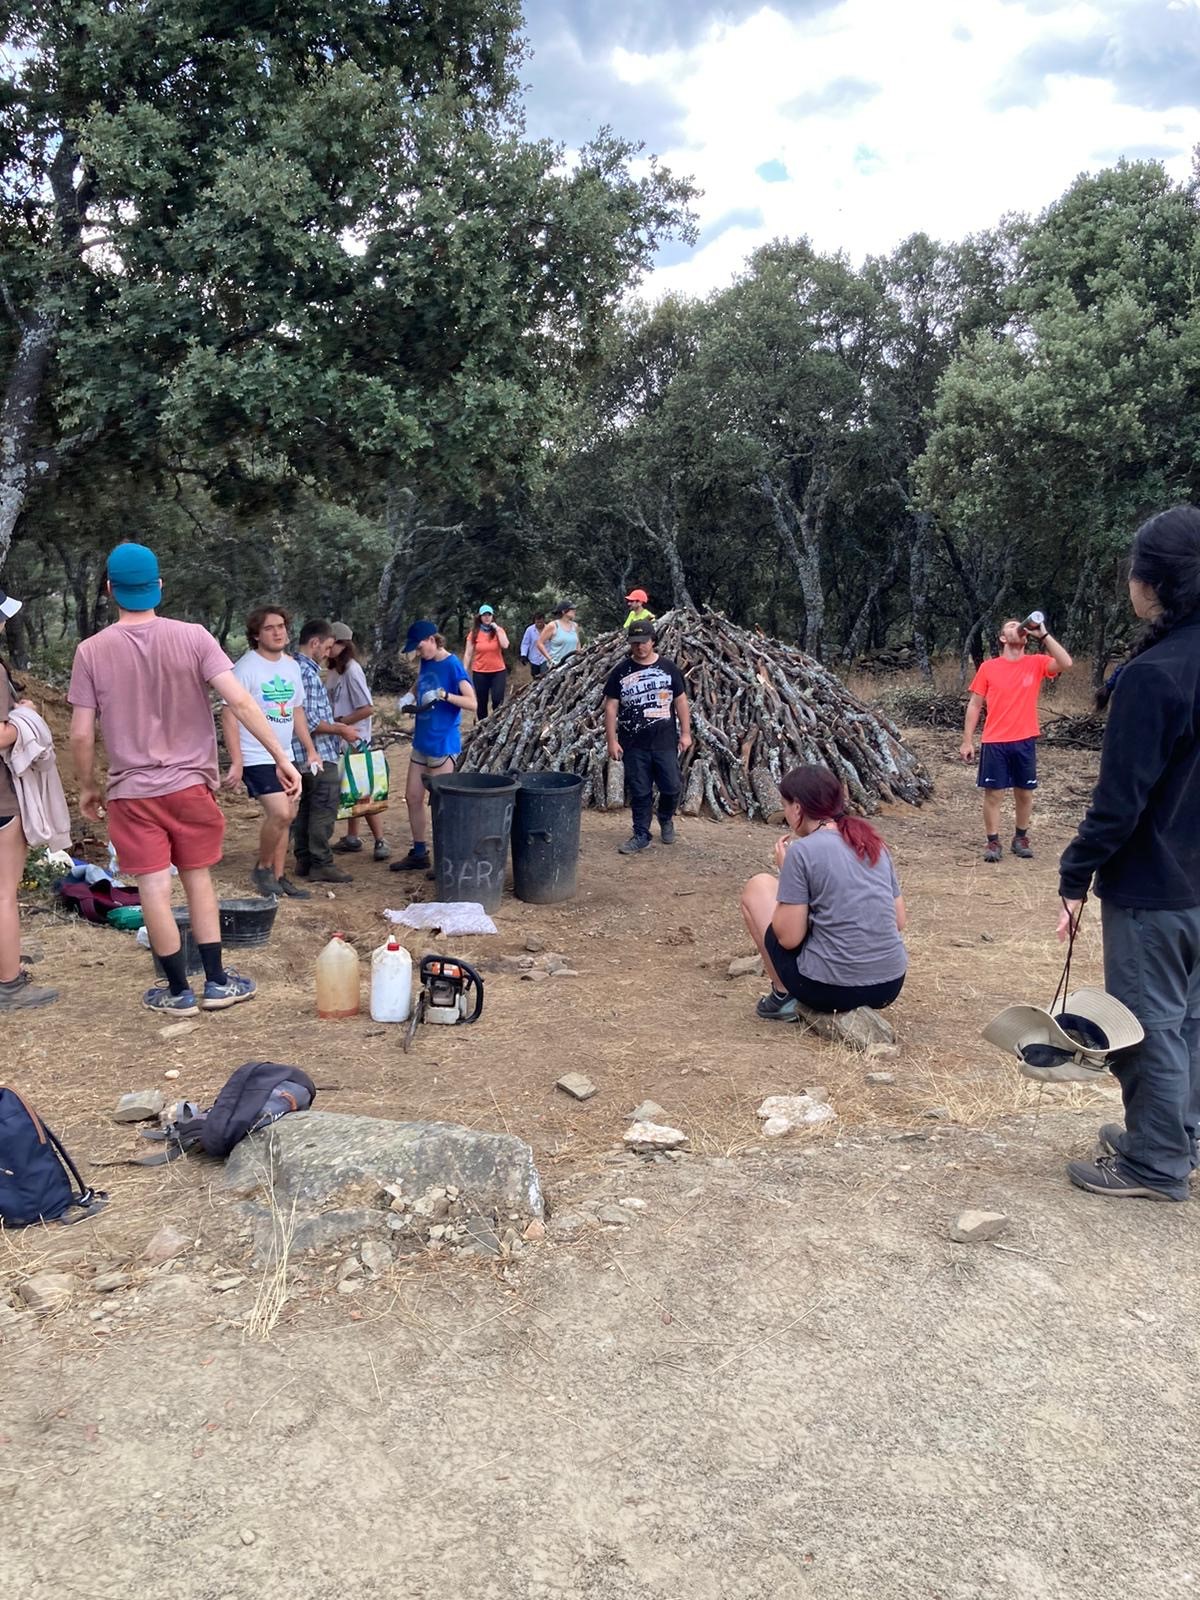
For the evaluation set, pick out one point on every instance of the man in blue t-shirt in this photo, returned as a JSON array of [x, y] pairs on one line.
[[443, 692]]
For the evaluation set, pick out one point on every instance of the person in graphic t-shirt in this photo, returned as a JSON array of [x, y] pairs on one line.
[[648, 725], [273, 678], [1009, 686], [442, 693], [147, 680]]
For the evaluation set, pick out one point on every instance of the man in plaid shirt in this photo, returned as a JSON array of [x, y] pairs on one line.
[[315, 819]]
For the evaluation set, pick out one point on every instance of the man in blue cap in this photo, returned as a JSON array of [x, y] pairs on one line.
[[148, 680]]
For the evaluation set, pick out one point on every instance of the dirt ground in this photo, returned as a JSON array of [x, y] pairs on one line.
[[778, 1379]]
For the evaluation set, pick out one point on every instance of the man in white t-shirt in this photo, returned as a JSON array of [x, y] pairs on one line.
[[273, 679]]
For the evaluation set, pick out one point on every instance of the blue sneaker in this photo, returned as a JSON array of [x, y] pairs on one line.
[[160, 998], [219, 996], [778, 1008]]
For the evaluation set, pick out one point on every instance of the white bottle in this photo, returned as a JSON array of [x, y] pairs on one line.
[[391, 982]]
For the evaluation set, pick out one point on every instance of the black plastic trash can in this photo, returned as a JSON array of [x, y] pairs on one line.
[[545, 837], [472, 821]]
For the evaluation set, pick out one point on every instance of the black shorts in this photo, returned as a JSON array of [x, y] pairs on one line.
[[827, 997], [1011, 765], [262, 778]]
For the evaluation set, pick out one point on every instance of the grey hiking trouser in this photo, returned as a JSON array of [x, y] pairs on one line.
[[1152, 965], [315, 818]]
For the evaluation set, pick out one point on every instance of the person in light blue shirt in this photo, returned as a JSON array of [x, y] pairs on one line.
[[531, 650], [559, 640], [443, 692]]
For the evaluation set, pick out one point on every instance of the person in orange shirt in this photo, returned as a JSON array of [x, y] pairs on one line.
[[1009, 685], [484, 660]]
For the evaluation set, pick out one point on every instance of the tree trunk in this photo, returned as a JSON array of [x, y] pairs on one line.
[[26, 379], [918, 589], [800, 531], [856, 639]]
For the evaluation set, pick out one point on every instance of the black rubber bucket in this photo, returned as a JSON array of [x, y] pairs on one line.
[[244, 924], [472, 821], [545, 837]]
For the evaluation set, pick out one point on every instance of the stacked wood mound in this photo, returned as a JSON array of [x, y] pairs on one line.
[[1084, 732], [759, 707]]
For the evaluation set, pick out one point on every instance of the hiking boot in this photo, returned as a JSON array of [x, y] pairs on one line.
[[302, 869], [414, 861], [293, 890], [381, 851], [348, 845], [160, 998], [329, 875], [666, 829], [1021, 847], [993, 850], [22, 994], [265, 883], [778, 1008], [635, 843], [1105, 1176], [1108, 1137], [220, 996]]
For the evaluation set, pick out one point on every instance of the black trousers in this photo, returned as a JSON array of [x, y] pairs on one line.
[[316, 816], [644, 771], [489, 686]]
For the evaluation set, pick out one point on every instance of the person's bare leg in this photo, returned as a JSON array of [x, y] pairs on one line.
[[13, 853], [352, 828], [991, 811], [373, 823], [1023, 805], [154, 891], [414, 799], [278, 812], [202, 905], [759, 899]]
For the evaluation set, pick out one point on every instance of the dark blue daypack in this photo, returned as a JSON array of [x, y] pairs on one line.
[[34, 1167]]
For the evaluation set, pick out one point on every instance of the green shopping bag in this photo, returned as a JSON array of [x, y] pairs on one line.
[[364, 783]]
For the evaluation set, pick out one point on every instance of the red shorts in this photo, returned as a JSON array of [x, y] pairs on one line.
[[185, 829]]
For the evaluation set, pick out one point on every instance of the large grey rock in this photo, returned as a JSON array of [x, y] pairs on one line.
[[47, 1292], [857, 1030], [141, 1106]]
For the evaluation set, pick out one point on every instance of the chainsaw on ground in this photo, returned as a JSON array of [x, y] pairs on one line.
[[448, 987]]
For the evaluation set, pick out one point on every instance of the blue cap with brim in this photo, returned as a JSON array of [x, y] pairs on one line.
[[416, 632], [133, 573], [487, 611]]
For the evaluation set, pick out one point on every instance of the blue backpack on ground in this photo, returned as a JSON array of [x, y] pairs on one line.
[[36, 1172]]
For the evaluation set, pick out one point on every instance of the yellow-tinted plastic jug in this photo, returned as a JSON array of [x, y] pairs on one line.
[[337, 980]]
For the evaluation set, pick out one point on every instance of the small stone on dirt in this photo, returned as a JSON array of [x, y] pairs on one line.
[[576, 1085], [654, 1136], [570, 1224], [977, 1227], [937, 1113], [143, 1105], [632, 1203], [167, 1243], [247, 1536], [177, 1030], [47, 1292], [376, 1256], [857, 1030], [106, 1282], [648, 1111], [349, 1285], [352, 1267], [172, 1072], [745, 967], [534, 945], [795, 1109], [534, 1232], [776, 1127], [878, 1079], [614, 1216], [886, 1050]]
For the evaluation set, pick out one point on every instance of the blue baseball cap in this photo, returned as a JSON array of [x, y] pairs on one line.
[[133, 573], [487, 611], [416, 632]]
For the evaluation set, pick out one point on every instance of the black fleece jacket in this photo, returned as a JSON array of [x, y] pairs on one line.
[[1140, 839]]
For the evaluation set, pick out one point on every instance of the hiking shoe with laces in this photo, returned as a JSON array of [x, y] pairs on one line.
[[328, 875], [220, 996], [265, 883], [1107, 1139], [22, 994], [666, 829], [414, 861], [381, 851], [778, 1008], [348, 845], [633, 845], [1021, 847], [293, 890], [993, 851], [160, 998], [1105, 1176]]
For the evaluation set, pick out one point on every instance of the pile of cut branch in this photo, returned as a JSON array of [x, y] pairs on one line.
[[1084, 732], [759, 707]]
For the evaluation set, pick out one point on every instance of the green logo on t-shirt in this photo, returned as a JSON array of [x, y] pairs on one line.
[[277, 694]]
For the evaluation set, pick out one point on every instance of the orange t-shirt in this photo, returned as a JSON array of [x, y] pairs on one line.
[[489, 656], [1011, 691]]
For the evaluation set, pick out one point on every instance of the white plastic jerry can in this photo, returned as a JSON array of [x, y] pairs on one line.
[[391, 983]]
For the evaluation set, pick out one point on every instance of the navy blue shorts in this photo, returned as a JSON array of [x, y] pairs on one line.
[[260, 779], [1008, 766]]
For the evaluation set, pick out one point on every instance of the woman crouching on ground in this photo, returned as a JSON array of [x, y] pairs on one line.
[[829, 927]]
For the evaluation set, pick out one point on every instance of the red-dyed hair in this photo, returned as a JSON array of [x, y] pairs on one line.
[[820, 795]]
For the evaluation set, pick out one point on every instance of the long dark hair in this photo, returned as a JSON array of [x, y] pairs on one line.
[[342, 654], [1166, 557], [820, 795]]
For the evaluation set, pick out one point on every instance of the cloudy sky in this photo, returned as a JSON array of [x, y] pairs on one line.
[[858, 122]]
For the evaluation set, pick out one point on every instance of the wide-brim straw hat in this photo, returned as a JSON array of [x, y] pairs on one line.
[[1090, 1027]]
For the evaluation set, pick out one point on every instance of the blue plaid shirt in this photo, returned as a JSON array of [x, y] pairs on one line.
[[316, 709]]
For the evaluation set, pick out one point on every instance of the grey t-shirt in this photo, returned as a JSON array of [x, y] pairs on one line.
[[347, 692], [852, 935]]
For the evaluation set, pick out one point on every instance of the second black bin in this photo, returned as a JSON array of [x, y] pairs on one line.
[[545, 837]]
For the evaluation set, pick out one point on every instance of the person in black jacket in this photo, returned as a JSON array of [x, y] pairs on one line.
[[1140, 845]]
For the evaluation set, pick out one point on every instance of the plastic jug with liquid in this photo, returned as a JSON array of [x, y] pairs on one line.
[[391, 982], [337, 980]]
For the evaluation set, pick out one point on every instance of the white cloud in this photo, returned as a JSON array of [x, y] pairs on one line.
[[928, 151]]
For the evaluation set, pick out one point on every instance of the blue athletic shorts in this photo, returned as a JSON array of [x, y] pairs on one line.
[[261, 779], [1008, 766]]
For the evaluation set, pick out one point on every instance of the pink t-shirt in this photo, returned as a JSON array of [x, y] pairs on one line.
[[149, 685]]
